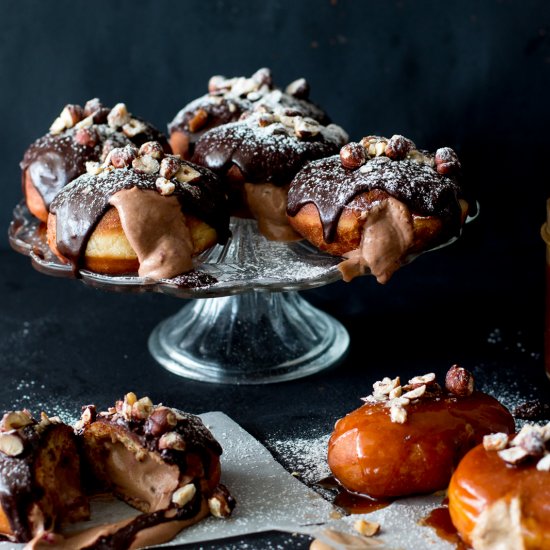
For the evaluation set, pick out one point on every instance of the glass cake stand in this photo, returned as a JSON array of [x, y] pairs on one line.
[[249, 327]]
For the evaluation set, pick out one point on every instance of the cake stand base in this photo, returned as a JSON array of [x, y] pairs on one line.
[[252, 338]]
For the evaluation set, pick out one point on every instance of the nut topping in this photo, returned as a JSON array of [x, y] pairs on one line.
[[173, 441], [70, 115], [92, 106], [416, 393], [186, 174], [446, 161], [495, 442], [184, 494], [153, 149], [118, 116], [146, 164], [513, 455], [162, 420], [459, 381], [306, 127], [169, 167], [86, 136], [11, 444], [142, 408], [398, 414], [398, 147], [134, 127], [298, 88], [366, 528], [94, 168], [352, 156], [221, 503], [543, 465], [122, 157], [385, 386], [165, 187], [14, 420]]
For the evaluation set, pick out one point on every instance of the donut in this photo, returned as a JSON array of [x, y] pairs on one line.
[[140, 211], [407, 440], [226, 101], [39, 476], [378, 203], [258, 156], [499, 496], [78, 135]]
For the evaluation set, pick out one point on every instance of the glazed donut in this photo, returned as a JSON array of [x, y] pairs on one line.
[[408, 439], [78, 135], [259, 155], [378, 204], [227, 99], [499, 496], [140, 211], [39, 476]]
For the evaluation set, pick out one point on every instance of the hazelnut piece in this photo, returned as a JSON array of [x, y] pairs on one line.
[[221, 503], [398, 147], [153, 149], [71, 114], [142, 408], [86, 136], [446, 161], [169, 167], [172, 440], [92, 106], [305, 127], [298, 88], [122, 157], [183, 495], [118, 116], [14, 420], [133, 128], [162, 420], [459, 381], [185, 174], [146, 164], [165, 187], [11, 444], [352, 156]]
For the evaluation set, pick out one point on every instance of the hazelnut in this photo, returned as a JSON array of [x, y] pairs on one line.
[[86, 136], [398, 147], [101, 116], [352, 156], [217, 83], [122, 157], [184, 494], [386, 385], [415, 393], [146, 164], [162, 420], [186, 174], [85, 122], [459, 381], [133, 128], [424, 379], [14, 420], [221, 503], [173, 441], [495, 442], [153, 149], [530, 438], [398, 414], [142, 408], [89, 414], [265, 120], [198, 120], [92, 106], [306, 127], [366, 528], [543, 465], [165, 187], [71, 114], [513, 455], [263, 77], [118, 116], [57, 126], [446, 161], [94, 168], [169, 167], [11, 444], [298, 88]]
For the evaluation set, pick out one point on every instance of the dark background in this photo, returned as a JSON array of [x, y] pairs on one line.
[[471, 75]]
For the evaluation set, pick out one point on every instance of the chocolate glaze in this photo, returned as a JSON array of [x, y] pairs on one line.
[[81, 204], [56, 159], [261, 153], [330, 186]]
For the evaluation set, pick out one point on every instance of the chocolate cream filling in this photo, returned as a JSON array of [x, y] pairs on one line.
[[387, 235], [156, 229]]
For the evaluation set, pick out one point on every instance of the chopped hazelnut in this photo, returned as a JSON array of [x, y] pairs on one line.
[[118, 116], [186, 173], [11, 444], [169, 167], [122, 157], [198, 120], [172, 440], [513, 455], [366, 528], [71, 114], [495, 442], [183, 495], [165, 187], [14, 420], [153, 149], [543, 465], [134, 127], [146, 164], [298, 88], [398, 414]]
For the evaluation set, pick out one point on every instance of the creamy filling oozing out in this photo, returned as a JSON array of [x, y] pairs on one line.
[[149, 480], [268, 202], [387, 235], [157, 231]]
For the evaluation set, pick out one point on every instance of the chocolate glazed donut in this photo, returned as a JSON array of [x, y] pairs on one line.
[[79, 135], [378, 203]]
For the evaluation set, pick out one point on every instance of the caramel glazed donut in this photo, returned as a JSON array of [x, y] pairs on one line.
[[499, 496], [78, 135], [139, 211], [407, 439], [258, 156], [227, 99], [378, 204]]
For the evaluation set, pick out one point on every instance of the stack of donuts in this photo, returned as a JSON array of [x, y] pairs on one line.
[[245, 149]]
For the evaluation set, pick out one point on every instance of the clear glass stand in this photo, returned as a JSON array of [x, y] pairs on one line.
[[252, 338]]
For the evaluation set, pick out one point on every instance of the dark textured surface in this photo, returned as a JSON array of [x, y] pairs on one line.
[[473, 76]]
